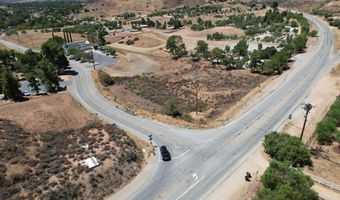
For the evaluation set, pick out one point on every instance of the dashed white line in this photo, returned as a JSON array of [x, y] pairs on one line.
[[193, 185]]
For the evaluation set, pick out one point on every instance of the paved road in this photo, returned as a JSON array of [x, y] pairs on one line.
[[204, 158]]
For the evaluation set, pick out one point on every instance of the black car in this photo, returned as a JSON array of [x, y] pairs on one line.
[[165, 153]]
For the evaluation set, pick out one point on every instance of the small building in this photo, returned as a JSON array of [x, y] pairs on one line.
[[90, 162]]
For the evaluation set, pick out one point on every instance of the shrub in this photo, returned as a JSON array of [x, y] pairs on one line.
[[105, 79], [283, 147], [171, 109], [326, 129]]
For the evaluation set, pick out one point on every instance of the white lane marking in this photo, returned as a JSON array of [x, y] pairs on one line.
[[194, 176], [193, 185], [180, 156]]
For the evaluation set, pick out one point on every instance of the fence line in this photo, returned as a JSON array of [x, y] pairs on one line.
[[324, 182]]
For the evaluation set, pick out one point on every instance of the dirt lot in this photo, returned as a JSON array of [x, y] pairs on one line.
[[51, 113], [131, 64], [177, 81], [34, 40], [142, 40]]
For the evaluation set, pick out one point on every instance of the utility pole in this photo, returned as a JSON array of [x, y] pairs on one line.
[[196, 80], [94, 65], [307, 107]]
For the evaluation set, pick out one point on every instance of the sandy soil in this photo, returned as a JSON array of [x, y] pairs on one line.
[[187, 32], [109, 8], [235, 187], [34, 40], [2, 47], [131, 64], [54, 112], [322, 97]]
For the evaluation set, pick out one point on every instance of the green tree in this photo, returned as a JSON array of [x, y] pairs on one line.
[[101, 37], [217, 54], [54, 53], [176, 46], [255, 59], [5, 57], [202, 48], [10, 85], [283, 147], [241, 48], [227, 48], [282, 182], [300, 42], [29, 58], [48, 74], [33, 81]]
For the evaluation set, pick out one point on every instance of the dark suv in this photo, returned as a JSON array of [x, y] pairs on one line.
[[165, 153]]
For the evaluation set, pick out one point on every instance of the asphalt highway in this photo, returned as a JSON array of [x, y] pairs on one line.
[[202, 159]]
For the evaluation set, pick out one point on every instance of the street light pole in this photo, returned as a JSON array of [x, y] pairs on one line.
[[307, 107]]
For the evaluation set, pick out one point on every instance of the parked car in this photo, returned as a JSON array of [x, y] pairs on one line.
[[42, 92], [26, 93], [165, 153]]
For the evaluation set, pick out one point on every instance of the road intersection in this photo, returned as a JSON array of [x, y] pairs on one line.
[[204, 158]]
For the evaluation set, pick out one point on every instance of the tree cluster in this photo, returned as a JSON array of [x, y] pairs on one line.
[[202, 25], [281, 181], [221, 36], [39, 68], [189, 11], [38, 15]]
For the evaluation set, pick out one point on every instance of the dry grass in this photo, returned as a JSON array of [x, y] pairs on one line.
[[219, 90], [327, 164], [336, 33], [34, 40], [47, 165], [2, 47]]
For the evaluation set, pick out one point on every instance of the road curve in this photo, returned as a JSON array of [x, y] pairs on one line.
[[204, 158]]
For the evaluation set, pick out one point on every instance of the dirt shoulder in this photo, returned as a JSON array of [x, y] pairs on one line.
[[336, 33], [237, 187]]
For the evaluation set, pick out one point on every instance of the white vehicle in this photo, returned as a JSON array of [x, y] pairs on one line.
[[26, 93]]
